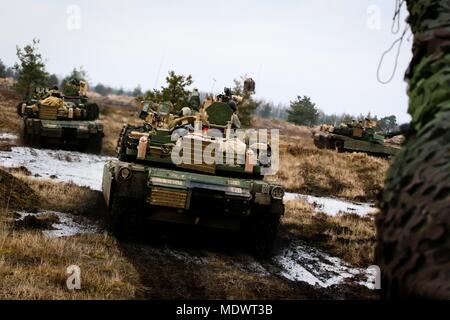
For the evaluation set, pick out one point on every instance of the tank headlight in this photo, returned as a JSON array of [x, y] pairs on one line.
[[125, 173], [277, 193]]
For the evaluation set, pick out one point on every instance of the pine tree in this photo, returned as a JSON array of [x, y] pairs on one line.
[[30, 69], [175, 91], [303, 112], [2, 69]]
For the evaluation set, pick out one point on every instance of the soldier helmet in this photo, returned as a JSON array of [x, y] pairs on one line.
[[233, 105]]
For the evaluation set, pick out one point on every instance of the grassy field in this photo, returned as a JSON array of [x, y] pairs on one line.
[[307, 169], [304, 168], [33, 266], [347, 236]]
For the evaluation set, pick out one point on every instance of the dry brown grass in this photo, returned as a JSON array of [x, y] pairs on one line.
[[9, 120], [348, 236], [14, 193], [33, 266], [60, 196], [307, 169], [285, 128], [115, 111], [113, 120]]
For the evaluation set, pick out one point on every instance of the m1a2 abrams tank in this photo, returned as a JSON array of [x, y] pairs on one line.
[[54, 118], [147, 185], [360, 137]]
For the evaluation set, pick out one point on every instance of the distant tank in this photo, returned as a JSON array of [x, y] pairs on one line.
[[147, 185], [360, 137], [65, 119]]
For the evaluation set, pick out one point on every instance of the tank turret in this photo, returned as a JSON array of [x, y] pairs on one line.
[[52, 117], [174, 168], [360, 136]]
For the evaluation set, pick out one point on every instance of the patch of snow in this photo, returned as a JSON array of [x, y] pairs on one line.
[[66, 226], [300, 262], [332, 206], [8, 136], [68, 166], [186, 257]]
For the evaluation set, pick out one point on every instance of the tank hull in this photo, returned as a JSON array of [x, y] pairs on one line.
[[251, 207], [61, 132], [342, 143]]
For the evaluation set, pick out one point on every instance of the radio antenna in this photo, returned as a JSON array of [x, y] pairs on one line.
[[163, 55]]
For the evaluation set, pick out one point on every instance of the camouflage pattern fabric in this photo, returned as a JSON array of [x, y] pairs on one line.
[[413, 241]]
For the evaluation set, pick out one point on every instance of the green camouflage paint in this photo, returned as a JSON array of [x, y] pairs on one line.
[[413, 242]]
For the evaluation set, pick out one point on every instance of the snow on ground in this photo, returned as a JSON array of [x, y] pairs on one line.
[[66, 226], [333, 206], [300, 262], [296, 262], [80, 168], [8, 136], [87, 170]]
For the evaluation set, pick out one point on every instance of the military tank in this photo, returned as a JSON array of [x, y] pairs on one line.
[[65, 119], [359, 137], [147, 185]]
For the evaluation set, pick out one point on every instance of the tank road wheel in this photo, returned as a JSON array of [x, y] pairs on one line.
[[125, 219], [260, 230], [30, 140], [338, 145], [25, 138], [319, 143]]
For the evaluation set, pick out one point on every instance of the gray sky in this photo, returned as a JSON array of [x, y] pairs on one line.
[[326, 49]]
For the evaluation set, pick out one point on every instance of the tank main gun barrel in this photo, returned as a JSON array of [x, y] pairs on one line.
[[404, 129]]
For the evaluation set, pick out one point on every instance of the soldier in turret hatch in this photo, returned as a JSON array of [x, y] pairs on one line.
[[194, 100]]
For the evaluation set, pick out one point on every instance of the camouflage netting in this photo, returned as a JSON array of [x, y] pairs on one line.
[[414, 226]]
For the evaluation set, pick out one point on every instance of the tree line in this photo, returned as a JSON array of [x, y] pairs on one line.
[[303, 111], [30, 73]]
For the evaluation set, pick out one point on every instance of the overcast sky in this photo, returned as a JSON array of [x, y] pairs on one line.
[[326, 49]]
